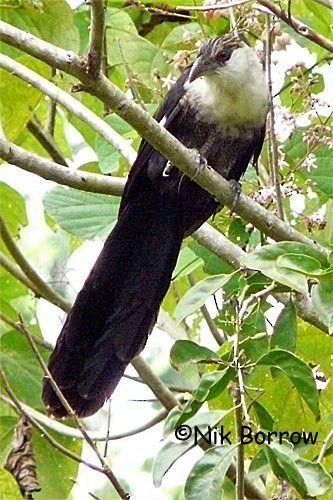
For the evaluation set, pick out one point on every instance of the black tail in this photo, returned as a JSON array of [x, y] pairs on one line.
[[116, 309]]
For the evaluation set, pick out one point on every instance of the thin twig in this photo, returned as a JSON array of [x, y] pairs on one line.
[[274, 155], [161, 12], [44, 289], [15, 271], [37, 340], [297, 25], [71, 432], [96, 39], [108, 472], [163, 394], [21, 410], [324, 447], [219, 6], [46, 140], [240, 473]]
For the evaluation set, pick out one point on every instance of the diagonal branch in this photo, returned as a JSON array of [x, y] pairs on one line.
[[297, 25], [71, 104], [85, 181], [44, 289]]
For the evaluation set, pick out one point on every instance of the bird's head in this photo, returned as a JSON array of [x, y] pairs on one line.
[[220, 55]]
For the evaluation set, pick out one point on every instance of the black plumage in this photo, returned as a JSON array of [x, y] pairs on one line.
[[118, 305]]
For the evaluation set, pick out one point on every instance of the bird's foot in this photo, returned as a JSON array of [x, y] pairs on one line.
[[200, 164], [167, 169], [237, 189]]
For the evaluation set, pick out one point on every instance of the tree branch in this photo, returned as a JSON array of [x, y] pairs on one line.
[[46, 140], [44, 289], [85, 181], [21, 410], [96, 41], [15, 271], [107, 470], [214, 241], [73, 433], [71, 104], [296, 25]]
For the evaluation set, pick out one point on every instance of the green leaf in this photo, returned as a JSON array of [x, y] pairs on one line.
[[298, 372], [132, 54], [207, 475], [309, 479], [237, 232], [285, 329], [59, 483], [52, 22], [17, 94], [184, 352], [322, 173], [284, 466], [212, 384], [9, 488], [266, 260], [188, 437], [22, 368], [322, 299], [56, 485], [108, 156], [12, 207], [198, 295], [266, 421], [187, 262], [301, 263], [83, 214], [212, 263]]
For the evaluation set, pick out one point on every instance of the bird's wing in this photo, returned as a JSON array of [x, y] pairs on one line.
[[167, 114]]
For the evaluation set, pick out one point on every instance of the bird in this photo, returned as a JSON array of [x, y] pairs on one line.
[[218, 107]]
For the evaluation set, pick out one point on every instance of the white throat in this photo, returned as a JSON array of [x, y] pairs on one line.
[[236, 96]]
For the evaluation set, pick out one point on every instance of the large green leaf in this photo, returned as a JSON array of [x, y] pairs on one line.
[[207, 476], [18, 99], [285, 329], [84, 214], [21, 367], [184, 352], [188, 436], [9, 487], [134, 55], [309, 479], [12, 207], [322, 299], [267, 259], [108, 156], [198, 295], [52, 21], [298, 372], [322, 173]]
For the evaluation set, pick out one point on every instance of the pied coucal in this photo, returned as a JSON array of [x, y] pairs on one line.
[[218, 106]]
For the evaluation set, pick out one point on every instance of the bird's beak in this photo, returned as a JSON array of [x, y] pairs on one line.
[[201, 67]]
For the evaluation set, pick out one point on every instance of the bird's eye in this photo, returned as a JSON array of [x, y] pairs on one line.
[[223, 56]]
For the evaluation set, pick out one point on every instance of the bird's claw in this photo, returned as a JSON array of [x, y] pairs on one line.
[[167, 169], [237, 189], [200, 164]]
